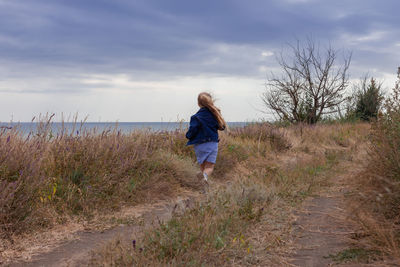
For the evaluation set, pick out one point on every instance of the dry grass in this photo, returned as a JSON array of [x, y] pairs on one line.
[[224, 230], [378, 200], [46, 178], [245, 222]]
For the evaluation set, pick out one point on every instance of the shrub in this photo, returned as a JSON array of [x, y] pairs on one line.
[[366, 101]]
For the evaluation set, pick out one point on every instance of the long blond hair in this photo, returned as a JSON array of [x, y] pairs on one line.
[[205, 100]]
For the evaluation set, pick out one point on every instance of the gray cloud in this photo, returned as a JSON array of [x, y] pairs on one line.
[[62, 41]]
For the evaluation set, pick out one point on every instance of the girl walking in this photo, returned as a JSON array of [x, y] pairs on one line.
[[203, 134]]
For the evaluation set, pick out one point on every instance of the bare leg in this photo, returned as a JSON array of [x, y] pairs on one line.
[[208, 168]]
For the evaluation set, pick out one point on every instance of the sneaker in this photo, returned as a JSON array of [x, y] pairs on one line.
[[205, 176]]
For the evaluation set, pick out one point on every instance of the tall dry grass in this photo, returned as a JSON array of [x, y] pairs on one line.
[[48, 177], [378, 210]]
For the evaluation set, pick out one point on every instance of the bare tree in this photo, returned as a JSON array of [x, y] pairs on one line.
[[311, 85]]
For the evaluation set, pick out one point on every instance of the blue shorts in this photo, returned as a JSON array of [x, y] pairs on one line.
[[206, 152]]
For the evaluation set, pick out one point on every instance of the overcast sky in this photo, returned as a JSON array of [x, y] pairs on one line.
[[146, 60]]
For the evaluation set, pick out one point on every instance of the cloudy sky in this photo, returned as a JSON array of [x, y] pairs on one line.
[[146, 60]]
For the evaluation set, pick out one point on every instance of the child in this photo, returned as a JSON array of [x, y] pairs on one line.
[[203, 134]]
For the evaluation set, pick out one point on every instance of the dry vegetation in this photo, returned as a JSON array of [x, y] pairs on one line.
[[246, 221], [377, 197], [47, 178], [263, 173]]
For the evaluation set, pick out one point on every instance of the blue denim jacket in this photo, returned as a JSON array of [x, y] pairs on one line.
[[203, 128]]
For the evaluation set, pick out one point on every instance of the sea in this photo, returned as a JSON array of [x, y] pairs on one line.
[[124, 127]]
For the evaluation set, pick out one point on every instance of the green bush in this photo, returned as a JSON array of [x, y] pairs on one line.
[[366, 101]]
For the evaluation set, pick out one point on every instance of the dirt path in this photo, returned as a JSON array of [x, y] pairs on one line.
[[75, 252], [322, 228]]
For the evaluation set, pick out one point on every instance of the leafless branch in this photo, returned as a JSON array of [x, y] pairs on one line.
[[311, 82]]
